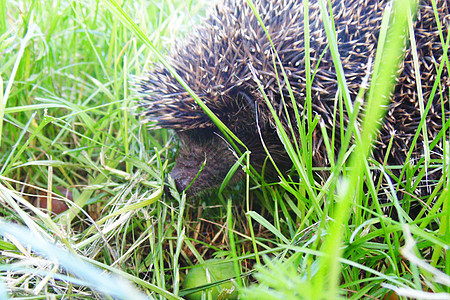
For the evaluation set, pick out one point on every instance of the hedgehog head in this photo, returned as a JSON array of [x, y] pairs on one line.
[[205, 156]]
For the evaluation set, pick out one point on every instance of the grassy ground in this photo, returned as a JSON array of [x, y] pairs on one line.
[[69, 138]]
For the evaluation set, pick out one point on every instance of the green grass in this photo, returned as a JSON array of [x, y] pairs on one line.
[[67, 125]]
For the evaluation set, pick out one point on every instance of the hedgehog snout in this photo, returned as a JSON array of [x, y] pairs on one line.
[[203, 162], [181, 182], [184, 173]]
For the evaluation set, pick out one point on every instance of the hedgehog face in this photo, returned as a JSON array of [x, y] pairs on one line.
[[206, 153], [201, 147]]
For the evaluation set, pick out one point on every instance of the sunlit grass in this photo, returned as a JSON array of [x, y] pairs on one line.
[[68, 134]]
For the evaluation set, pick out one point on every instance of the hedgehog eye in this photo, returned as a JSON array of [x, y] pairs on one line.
[[247, 99]]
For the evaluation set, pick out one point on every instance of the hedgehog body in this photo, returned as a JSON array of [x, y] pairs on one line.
[[221, 58]]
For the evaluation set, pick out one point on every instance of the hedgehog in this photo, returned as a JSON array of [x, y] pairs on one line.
[[225, 56]]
